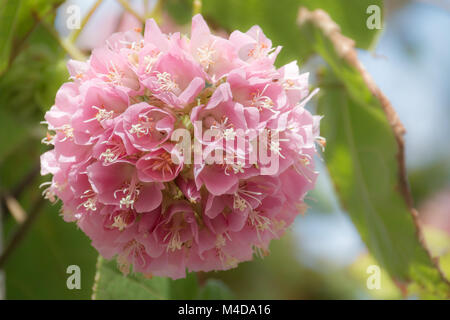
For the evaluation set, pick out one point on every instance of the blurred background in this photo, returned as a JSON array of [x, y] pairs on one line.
[[322, 257]]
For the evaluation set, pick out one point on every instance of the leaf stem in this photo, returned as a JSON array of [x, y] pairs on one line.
[[196, 7], [75, 33]]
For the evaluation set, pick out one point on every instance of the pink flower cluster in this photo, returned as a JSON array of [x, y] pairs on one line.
[[113, 158]]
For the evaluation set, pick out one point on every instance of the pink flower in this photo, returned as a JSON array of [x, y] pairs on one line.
[[188, 188], [158, 165], [118, 185], [114, 69], [123, 178], [175, 78], [215, 54], [147, 126]]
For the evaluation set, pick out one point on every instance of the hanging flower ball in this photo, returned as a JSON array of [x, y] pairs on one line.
[[174, 153]]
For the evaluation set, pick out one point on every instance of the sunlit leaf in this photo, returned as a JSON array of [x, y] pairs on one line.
[[30, 85], [360, 269], [8, 18], [18, 19], [438, 241]]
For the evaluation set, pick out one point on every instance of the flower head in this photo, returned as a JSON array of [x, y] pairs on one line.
[[125, 174]]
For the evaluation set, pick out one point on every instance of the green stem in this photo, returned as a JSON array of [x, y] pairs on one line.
[[196, 7], [75, 33]]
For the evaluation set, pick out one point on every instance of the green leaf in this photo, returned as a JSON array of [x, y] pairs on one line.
[[388, 289], [215, 290], [365, 158], [12, 133], [351, 16], [277, 19], [110, 283], [8, 18], [31, 11], [37, 269], [28, 88], [17, 21], [185, 288]]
